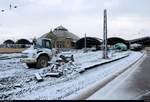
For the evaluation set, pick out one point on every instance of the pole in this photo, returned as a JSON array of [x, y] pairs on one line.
[[105, 54], [85, 42]]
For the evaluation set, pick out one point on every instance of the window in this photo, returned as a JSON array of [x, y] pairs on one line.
[[47, 44]]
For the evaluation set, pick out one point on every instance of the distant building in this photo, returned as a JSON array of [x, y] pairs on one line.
[[90, 42], [20, 43], [114, 40], [8, 43], [144, 41], [61, 38], [23, 43]]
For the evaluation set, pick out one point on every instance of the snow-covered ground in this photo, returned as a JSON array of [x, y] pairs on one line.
[[18, 82], [117, 89]]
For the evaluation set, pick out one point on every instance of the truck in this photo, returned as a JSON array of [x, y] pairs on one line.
[[38, 55]]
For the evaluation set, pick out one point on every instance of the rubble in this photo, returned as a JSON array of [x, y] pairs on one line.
[[38, 77], [18, 85], [53, 74]]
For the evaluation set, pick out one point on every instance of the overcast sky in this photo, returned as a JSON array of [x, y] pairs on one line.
[[128, 19]]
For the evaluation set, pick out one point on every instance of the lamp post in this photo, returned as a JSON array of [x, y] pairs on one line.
[[105, 53]]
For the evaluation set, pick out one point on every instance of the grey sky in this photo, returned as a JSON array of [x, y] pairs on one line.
[[126, 18]]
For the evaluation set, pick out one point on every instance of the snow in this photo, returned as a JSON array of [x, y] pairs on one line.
[[84, 60], [14, 73], [117, 88]]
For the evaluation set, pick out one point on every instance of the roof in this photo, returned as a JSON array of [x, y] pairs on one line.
[[140, 39], [9, 42], [90, 42], [23, 41], [61, 28], [61, 31]]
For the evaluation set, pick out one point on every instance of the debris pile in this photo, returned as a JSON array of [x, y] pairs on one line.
[[63, 65]]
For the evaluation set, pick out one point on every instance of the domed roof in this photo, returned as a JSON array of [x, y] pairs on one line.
[[61, 31], [9, 42], [23, 41], [61, 28]]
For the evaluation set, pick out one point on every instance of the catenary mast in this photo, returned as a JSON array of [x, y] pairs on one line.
[[105, 53]]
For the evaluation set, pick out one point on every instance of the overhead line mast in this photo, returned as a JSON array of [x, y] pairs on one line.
[[105, 53]]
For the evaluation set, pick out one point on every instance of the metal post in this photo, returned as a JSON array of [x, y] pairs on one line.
[[105, 54], [85, 42]]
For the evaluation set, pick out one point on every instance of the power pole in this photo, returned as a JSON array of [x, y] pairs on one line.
[[105, 53]]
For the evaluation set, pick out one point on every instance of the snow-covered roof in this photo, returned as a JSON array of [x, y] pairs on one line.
[[61, 28], [66, 34], [61, 31]]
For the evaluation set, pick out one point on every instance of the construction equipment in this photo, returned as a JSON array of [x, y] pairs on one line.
[[38, 55]]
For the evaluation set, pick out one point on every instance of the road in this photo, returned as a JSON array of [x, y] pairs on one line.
[[143, 81], [134, 84]]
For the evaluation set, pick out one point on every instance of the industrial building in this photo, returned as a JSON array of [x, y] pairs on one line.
[[90, 42]]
